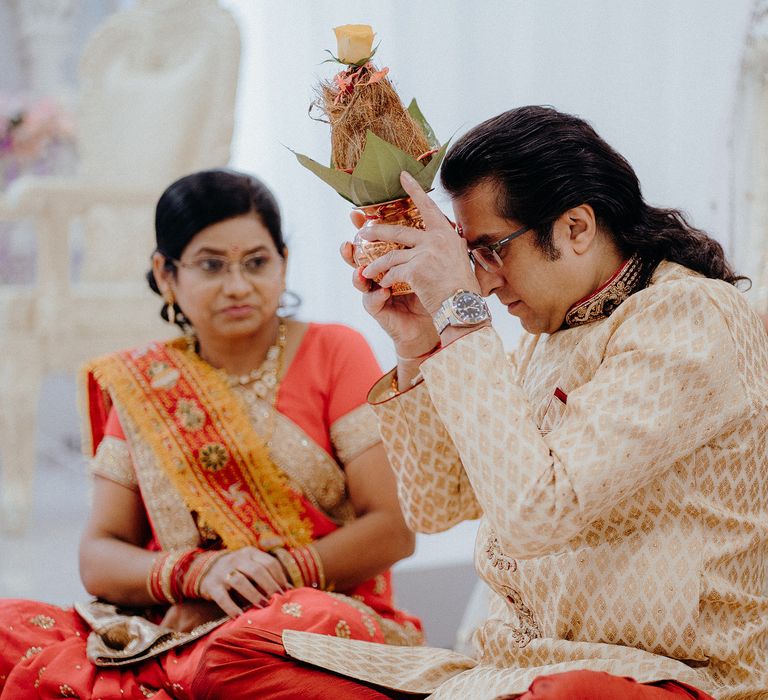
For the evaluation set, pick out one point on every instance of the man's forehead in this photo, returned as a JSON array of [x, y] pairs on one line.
[[477, 217]]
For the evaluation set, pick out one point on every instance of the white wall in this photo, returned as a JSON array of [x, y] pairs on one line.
[[656, 78]]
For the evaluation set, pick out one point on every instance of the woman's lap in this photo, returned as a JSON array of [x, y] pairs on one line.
[[44, 647]]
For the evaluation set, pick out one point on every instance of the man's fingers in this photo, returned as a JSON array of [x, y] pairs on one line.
[[375, 300], [360, 283], [357, 217], [347, 251], [405, 235], [382, 264], [429, 211]]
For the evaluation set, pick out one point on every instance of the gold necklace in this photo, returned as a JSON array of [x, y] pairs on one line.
[[264, 378], [263, 386]]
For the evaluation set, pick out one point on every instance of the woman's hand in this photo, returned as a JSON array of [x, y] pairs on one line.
[[435, 264], [251, 574], [184, 617]]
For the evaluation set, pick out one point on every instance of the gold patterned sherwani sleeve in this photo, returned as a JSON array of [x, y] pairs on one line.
[[433, 488], [113, 461], [665, 386]]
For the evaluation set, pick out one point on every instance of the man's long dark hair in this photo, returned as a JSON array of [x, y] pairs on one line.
[[544, 162]]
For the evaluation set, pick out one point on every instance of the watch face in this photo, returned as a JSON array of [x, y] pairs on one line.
[[470, 308]]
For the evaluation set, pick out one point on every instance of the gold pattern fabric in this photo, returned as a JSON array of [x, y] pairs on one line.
[[121, 640], [113, 461], [624, 524], [354, 433]]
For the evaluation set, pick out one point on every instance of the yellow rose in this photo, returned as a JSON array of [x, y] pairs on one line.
[[354, 41]]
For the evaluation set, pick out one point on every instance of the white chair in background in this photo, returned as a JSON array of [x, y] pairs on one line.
[[157, 98]]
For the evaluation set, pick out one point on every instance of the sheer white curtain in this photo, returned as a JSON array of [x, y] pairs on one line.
[[656, 78], [750, 164]]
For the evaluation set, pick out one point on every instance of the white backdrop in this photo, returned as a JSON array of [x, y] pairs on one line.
[[657, 79]]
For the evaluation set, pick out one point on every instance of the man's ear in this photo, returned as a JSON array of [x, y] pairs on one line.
[[578, 228]]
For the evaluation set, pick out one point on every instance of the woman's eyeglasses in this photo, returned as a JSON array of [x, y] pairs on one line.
[[216, 268], [487, 256]]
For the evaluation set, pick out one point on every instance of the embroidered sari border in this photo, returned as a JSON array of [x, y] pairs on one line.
[[215, 458]]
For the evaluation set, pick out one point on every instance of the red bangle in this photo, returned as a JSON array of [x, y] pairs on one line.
[[180, 570]]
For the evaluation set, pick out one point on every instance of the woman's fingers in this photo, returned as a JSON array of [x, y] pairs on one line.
[[275, 569], [222, 599], [238, 581]]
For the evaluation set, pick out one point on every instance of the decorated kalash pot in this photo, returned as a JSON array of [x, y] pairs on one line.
[[373, 139]]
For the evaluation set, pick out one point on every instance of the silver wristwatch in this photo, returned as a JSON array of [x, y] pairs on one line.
[[462, 309]]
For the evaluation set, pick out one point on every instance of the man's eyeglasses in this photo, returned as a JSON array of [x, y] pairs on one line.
[[487, 256], [216, 268]]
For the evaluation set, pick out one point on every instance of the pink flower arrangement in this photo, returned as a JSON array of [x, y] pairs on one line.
[[27, 129]]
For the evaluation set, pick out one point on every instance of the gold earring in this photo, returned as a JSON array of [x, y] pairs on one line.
[[170, 308]]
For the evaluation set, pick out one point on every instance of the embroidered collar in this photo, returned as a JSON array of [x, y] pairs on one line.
[[631, 277]]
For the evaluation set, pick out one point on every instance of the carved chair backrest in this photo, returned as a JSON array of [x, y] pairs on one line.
[[158, 84]]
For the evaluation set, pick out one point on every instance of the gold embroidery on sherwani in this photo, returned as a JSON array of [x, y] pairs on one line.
[[354, 433], [113, 461], [631, 277], [636, 524], [148, 383]]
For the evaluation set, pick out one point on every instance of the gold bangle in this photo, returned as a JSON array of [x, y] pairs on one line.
[[166, 573], [206, 567], [151, 576], [290, 566], [320, 583]]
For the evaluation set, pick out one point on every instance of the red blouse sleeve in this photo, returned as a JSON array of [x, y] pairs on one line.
[[112, 428], [353, 371]]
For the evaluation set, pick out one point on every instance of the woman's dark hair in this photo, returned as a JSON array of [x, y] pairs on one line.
[[202, 199], [544, 162]]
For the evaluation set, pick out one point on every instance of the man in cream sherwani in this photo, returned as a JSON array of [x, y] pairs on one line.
[[617, 459]]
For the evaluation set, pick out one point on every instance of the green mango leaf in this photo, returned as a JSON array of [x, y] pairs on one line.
[[382, 163], [427, 175], [365, 192], [338, 179], [420, 119]]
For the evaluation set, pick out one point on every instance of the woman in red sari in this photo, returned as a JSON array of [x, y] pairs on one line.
[[240, 486]]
